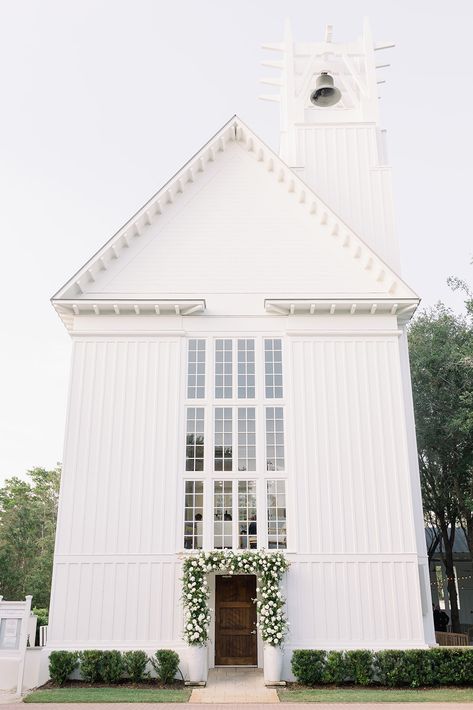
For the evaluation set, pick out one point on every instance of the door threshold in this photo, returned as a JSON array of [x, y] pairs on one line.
[[238, 666]]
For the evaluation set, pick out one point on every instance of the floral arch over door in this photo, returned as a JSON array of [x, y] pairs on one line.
[[269, 568]]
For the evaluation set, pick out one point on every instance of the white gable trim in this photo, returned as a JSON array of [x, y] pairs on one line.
[[130, 233], [235, 130]]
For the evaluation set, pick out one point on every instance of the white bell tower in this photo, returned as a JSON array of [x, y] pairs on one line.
[[338, 150]]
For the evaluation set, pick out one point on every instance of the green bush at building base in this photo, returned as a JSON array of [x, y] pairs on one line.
[[165, 664], [61, 665], [412, 668], [97, 666]]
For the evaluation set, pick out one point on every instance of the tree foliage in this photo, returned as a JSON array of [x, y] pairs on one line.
[[28, 511], [441, 355]]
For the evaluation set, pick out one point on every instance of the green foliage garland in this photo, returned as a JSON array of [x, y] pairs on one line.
[[269, 568]]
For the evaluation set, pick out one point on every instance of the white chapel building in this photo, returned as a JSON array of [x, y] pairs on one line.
[[240, 379]]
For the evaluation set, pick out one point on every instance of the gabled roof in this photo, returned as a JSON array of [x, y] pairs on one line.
[[69, 298]]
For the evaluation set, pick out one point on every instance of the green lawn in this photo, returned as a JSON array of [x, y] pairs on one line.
[[376, 695], [109, 695]]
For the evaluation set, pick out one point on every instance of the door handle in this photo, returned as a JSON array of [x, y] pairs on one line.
[[253, 632]]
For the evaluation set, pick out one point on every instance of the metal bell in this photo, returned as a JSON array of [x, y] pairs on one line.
[[325, 93]]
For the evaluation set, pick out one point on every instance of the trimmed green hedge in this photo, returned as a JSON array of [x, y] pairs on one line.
[[61, 665], [166, 664], [112, 666], [409, 668]]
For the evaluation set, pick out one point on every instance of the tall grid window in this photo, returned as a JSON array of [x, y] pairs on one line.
[[246, 439], [223, 451], [275, 439], [193, 515], [195, 439], [223, 515], [273, 368], [223, 368], [196, 369], [246, 368], [247, 533], [276, 507]]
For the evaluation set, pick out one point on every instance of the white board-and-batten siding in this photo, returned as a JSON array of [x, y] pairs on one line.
[[352, 175], [119, 489], [353, 579]]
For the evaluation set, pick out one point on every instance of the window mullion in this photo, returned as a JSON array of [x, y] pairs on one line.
[[235, 514], [235, 369], [208, 515], [235, 439], [262, 529], [209, 438]]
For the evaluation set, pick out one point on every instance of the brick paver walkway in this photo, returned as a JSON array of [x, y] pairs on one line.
[[240, 706]]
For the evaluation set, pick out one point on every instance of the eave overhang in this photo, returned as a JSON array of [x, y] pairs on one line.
[[403, 309], [67, 309]]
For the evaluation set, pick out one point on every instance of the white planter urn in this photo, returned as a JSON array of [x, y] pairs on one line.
[[197, 663], [272, 663]]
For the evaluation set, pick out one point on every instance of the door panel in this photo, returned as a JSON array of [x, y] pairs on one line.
[[235, 620]]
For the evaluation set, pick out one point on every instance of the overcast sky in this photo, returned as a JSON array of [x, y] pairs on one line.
[[103, 100]]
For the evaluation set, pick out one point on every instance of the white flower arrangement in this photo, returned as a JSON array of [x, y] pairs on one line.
[[268, 566]]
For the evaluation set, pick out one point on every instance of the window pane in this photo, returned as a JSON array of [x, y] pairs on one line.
[[223, 526], [246, 437], [196, 369], [273, 368], [276, 517], [193, 515], [223, 368], [195, 439], [246, 368], [247, 522], [223, 451], [275, 433]]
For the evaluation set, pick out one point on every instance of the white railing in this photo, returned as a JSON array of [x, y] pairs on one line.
[[43, 635]]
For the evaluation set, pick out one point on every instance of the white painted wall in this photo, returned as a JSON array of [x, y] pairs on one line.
[[352, 543]]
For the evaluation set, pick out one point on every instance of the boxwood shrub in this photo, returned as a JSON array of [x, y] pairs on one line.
[[335, 668], [61, 665], [309, 666], [165, 663], [135, 664], [412, 668], [91, 665], [112, 667], [359, 666]]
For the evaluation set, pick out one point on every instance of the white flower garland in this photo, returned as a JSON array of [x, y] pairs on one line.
[[268, 566]]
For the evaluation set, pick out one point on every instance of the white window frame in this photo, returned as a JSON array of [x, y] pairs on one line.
[[194, 433], [261, 475], [235, 521], [274, 432], [188, 365], [277, 480], [273, 374], [195, 480]]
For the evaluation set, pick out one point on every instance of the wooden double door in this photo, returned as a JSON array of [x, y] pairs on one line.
[[235, 620]]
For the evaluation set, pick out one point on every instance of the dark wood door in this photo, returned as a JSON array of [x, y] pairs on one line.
[[235, 620]]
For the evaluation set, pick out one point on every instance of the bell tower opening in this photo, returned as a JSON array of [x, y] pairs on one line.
[[329, 128]]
